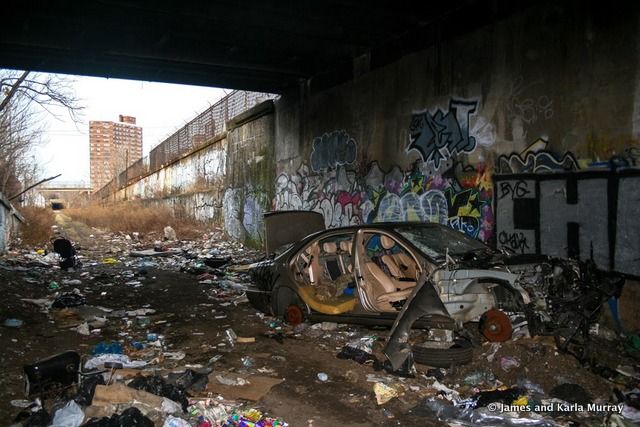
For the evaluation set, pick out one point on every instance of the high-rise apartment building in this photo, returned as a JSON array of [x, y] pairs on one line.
[[113, 147]]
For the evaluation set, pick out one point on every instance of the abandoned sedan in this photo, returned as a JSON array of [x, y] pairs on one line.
[[418, 275]]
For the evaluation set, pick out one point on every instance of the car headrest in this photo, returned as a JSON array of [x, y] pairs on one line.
[[345, 246], [387, 242], [329, 247]]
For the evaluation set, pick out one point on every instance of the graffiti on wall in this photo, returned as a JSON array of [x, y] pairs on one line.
[[523, 106], [460, 198], [332, 150], [536, 159], [243, 213], [440, 135], [589, 215]]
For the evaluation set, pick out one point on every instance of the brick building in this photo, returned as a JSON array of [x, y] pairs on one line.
[[113, 146]]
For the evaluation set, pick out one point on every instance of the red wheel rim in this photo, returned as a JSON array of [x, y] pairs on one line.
[[295, 316], [496, 326]]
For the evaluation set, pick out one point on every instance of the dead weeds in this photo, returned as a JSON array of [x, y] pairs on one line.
[[37, 227], [134, 217]]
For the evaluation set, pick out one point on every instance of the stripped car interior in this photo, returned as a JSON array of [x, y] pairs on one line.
[[420, 275]]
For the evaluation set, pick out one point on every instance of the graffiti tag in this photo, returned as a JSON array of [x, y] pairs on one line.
[[439, 136]]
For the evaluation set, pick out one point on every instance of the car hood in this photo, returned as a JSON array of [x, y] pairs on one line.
[[285, 227]]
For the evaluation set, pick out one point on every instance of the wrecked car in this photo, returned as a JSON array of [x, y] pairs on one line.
[[422, 275]]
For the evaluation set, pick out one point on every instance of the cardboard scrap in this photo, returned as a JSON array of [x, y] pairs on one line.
[[245, 340], [120, 393], [257, 387]]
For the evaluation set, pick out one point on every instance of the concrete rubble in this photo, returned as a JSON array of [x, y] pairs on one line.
[[164, 336]]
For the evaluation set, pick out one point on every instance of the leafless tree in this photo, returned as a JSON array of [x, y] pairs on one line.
[[23, 97]]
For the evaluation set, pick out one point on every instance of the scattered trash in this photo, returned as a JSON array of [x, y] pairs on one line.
[[247, 361], [323, 377], [70, 415], [69, 299], [64, 248], [360, 356], [384, 393], [104, 347], [231, 337], [479, 376], [169, 233], [253, 418], [572, 393], [13, 323], [509, 363], [129, 417], [60, 370], [159, 387], [123, 359]]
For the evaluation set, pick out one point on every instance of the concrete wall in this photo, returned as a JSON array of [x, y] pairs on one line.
[[203, 186], [10, 222], [553, 89]]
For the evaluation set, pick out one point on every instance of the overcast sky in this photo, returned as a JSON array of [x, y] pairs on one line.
[[160, 109]]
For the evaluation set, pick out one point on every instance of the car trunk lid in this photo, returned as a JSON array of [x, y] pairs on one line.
[[285, 227]]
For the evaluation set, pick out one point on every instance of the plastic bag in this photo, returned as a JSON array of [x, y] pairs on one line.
[[449, 413], [131, 417], [159, 387], [70, 415]]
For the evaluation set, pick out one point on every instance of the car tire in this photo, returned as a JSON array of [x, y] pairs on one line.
[[458, 353], [285, 300]]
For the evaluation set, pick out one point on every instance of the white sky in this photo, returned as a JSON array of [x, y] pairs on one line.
[[160, 109]]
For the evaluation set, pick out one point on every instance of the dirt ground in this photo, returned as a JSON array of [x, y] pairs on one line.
[[193, 318]]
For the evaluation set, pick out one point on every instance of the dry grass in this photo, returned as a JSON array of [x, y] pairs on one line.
[[37, 227], [133, 216]]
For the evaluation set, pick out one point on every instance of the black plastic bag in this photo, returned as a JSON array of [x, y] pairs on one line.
[[68, 299], [87, 390], [189, 379], [156, 385], [360, 356], [131, 417]]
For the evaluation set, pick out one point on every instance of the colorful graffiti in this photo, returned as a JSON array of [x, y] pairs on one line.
[[439, 136], [460, 198]]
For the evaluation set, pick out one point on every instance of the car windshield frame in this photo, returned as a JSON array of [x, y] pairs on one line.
[[429, 238]]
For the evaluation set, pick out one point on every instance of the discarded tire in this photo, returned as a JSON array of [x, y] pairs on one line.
[[443, 355]]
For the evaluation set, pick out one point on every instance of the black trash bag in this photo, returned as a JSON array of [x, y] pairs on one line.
[[360, 356], [27, 418], [131, 417], [54, 372], [69, 299], [87, 390], [216, 262], [572, 393], [502, 396], [156, 385], [189, 379], [67, 252], [40, 418]]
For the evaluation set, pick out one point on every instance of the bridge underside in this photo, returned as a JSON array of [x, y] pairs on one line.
[[267, 46]]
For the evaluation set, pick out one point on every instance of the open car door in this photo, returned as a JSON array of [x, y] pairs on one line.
[[285, 227]]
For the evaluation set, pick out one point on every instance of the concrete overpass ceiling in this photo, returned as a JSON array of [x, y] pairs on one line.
[[253, 44]]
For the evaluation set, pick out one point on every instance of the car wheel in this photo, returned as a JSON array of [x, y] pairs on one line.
[[287, 305], [496, 326], [443, 354]]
